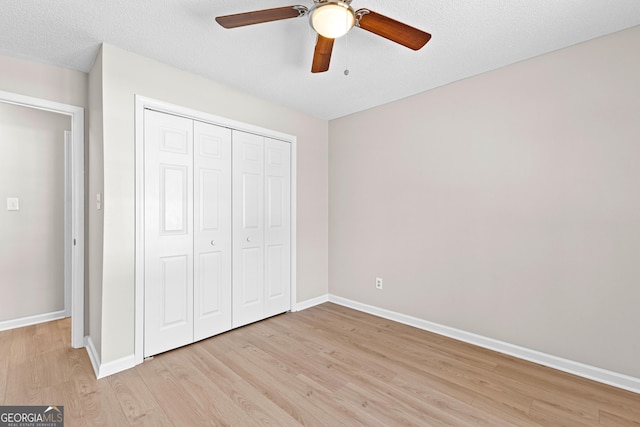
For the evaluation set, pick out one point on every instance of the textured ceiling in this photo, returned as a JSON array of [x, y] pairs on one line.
[[273, 60]]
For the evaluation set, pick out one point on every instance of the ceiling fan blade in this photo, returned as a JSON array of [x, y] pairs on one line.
[[391, 29], [260, 16], [322, 54]]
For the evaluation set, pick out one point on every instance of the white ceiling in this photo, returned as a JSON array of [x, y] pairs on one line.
[[273, 60]]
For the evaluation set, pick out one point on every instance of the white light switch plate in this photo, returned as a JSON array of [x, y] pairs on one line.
[[13, 204]]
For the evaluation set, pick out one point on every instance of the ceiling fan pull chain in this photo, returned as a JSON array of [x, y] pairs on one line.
[[346, 55]]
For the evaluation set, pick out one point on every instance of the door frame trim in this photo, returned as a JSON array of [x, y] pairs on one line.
[[142, 103], [77, 201]]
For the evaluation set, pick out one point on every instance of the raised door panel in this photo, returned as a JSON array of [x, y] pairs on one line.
[[168, 211], [174, 291], [248, 228], [277, 227], [212, 240]]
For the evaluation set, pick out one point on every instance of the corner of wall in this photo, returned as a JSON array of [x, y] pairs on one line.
[[95, 221]]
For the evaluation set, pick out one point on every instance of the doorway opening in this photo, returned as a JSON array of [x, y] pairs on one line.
[[72, 153]]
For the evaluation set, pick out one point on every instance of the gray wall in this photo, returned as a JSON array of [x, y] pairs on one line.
[[32, 238], [507, 204], [95, 217], [43, 81]]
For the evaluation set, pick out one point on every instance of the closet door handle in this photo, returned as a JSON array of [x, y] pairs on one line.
[[213, 243], [249, 239]]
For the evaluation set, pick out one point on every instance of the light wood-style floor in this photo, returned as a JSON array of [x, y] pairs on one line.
[[325, 366]]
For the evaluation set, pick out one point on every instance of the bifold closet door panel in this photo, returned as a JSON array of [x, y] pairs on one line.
[[277, 227], [261, 226], [168, 216], [212, 237], [248, 228], [217, 226]]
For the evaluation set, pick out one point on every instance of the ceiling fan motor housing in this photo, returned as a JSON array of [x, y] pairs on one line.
[[332, 18]]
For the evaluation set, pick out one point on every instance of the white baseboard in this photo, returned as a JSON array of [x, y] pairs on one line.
[[105, 369], [94, 357], [310, 303], [31, 320], [615, 379], [116, 366]]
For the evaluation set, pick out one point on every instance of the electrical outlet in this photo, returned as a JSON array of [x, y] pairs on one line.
[[378, 282]]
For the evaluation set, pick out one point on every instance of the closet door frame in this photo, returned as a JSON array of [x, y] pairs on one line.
[[142, 103]]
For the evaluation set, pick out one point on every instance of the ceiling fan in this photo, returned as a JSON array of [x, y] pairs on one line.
[[332, 19]]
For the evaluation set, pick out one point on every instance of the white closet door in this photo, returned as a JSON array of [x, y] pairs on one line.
[[168, 206], [277, 227], [248, 228], [212, 238]]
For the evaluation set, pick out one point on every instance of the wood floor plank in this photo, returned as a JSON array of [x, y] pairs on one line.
[[507, 390], [343, 410], [558, 413], [82, 374], [5, 358], [211, 394], [356, 360], [448, 369], [360, 333], [346, 365], [613, 420], [266, 373], [301, 360], [65, 394], [136, 400], [100, 408], [20, 343], [24, 384], [509, 415], [324, 366], [580, 392], [220, 380], [379, 408], [300, 338], [168, 391]]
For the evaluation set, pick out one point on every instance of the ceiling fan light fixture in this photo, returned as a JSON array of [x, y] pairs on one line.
[[332, 19]]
